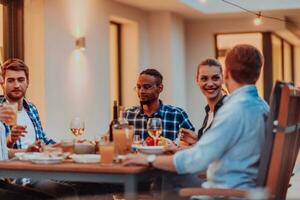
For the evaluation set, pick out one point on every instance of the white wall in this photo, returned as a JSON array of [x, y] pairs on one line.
[[34, 52], [74, 82], [167, 54]]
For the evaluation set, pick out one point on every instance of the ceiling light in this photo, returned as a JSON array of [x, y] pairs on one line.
[[258, 20]]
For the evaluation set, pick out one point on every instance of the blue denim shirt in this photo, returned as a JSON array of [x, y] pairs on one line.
[[230, 149]]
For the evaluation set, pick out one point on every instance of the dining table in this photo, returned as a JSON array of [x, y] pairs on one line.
[[130, 176]]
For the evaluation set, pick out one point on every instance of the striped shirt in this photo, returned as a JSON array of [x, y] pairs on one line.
[[173, 118]]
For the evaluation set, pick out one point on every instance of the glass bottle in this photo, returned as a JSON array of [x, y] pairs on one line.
[[114, 121], [122, 134]]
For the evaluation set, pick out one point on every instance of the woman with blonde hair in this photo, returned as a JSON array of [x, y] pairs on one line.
[[210, 80]]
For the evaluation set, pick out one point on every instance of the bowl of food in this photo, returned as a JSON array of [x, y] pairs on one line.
[[84, 147], [86, 158], [151, 147]]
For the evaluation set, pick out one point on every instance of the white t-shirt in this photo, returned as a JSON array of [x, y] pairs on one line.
[[209, 120], [3, 147], [30, 137]]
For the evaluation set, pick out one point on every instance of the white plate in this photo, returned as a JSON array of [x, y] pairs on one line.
[[150, 149], [86, 158], [29, 156], [47, 160]]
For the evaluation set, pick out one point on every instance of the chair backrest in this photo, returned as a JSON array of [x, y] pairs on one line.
[[282, 140]]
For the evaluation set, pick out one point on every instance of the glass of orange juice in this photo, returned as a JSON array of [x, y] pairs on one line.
[[14, 108], [123, 138], [107, 152]]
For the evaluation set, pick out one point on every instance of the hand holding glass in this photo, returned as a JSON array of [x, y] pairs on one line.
[[11, 108]]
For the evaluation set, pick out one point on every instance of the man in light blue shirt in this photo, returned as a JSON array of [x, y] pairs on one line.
[[230, 151]]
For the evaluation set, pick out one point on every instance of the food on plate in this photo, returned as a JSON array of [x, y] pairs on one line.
[[183, 143], [162, 141]]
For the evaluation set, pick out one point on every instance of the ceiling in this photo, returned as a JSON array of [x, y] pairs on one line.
[[196, 9], [217, 9]]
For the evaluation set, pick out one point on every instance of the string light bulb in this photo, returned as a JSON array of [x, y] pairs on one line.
[[258, 20]]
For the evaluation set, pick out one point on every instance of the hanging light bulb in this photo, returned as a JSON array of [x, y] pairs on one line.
[[257, 21], [203, 1]]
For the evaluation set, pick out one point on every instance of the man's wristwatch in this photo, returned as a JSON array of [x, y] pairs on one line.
[[151, 159]]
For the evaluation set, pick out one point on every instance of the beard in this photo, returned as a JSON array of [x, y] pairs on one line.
[[146, 102], [15, 98]]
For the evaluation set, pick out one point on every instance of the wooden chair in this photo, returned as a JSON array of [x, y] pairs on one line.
[[281, 147]]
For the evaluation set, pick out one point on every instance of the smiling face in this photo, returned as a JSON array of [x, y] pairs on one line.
[[15, 85], [210, 81], [147, 89]]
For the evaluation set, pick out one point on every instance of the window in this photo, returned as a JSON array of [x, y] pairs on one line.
[[115, 62], [12, 34]]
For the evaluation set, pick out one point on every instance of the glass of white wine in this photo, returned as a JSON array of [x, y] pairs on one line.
[[154, 127], [77, 126]]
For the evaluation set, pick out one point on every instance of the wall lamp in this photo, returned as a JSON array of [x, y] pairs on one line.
[[80, 43]]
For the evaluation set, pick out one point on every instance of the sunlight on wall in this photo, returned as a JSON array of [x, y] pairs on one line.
[[78, 65], [78, 78], [78, 14]]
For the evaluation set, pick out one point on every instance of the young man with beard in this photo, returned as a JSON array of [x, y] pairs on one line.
[[230, 151], [149, 86], [29, 128]]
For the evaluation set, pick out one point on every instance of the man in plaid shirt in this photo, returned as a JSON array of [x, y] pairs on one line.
[[149, 86], [29, 128]]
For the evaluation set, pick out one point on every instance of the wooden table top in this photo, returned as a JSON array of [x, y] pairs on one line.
[[72, 167]]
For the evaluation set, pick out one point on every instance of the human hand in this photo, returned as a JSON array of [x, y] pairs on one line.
[[136, 159], [35, 147], [171, 148], [7, 114], [16, 132], [188, 136]]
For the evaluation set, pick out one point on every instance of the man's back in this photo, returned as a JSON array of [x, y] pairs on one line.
[[237, 135]]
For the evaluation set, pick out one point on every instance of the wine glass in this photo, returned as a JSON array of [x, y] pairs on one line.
[[154, 127], [77, 127]]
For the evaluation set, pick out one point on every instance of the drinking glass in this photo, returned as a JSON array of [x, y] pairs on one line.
[[14, 108], [67, 146], [123, 138], [77, 127], [137, 140], [154, 127], [107, 152]]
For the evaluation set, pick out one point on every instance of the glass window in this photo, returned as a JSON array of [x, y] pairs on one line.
[[287, 62], [276, 58]]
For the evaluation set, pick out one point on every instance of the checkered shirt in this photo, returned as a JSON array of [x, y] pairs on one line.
[[173, 118], [35, 118]]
